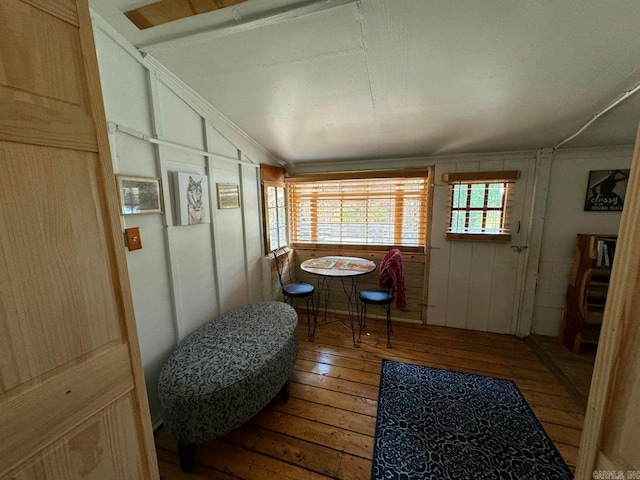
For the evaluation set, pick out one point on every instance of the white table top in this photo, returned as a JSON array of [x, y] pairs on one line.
[[338, 266]]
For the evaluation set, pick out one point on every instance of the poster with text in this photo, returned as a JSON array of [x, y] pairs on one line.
[[606, 190]]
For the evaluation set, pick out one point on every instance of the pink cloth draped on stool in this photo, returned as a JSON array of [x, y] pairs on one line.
[[392, 277]]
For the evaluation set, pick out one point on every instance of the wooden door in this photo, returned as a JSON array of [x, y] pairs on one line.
[[477, 285], [611, 435], [72, 395]]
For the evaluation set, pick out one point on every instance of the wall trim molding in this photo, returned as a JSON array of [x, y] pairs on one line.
[[406, 162], [593, 152]]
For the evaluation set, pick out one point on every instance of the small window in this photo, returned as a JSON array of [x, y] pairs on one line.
[[275, 216], [479, 205]]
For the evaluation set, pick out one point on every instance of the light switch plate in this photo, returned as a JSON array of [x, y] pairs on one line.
[[133, 238]]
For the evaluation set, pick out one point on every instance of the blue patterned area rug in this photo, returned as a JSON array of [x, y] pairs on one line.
[[439, 424]]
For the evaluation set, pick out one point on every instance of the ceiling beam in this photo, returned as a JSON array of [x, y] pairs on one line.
[[248, 22], [166, 11]]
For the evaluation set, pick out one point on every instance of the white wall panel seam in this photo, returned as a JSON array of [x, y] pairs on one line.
[[174, 283], [243, 211], [212, 208]]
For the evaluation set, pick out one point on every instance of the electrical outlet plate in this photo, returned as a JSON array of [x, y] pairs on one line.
[[133, 238]]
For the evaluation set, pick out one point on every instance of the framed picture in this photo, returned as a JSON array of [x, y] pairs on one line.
[[191, 198], [606, 190], [228, 195], [139, 195]]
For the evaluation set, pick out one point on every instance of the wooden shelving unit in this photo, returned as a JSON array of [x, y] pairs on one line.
[[587, 290]]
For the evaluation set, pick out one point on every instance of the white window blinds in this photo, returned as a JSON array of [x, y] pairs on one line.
[[371, 211]]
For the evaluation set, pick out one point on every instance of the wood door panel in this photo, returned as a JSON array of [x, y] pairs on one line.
[[71, 396], [39, 54], [54, 262], [611, 435], [43, 98], [62, 124], [63, 9], [104, 447]]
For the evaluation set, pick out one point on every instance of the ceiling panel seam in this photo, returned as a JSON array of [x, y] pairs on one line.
[[368, 70]]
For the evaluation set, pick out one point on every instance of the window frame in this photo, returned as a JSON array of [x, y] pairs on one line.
[[506, 178], [266, 185]]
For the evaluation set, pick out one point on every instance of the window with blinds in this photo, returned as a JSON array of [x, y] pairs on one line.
[[370, 211], [479, 205]]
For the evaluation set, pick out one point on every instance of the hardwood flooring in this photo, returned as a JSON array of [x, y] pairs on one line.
[[326, 429], [573, 369]]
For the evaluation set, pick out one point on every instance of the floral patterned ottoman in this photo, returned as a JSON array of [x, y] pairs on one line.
[[225, 372]]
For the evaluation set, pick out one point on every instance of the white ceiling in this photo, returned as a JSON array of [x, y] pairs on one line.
[[366, 79]]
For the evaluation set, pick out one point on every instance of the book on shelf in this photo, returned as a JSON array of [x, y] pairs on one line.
[[605, 251]]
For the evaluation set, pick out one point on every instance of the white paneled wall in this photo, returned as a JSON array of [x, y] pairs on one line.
[[230, 242], [184, 275], [250, 181], [565, 218]]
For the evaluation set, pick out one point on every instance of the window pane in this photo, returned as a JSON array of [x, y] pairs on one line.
[[496, 193], [477, 195], [493, 221], [460, 193], [411, 220], [273, 239], [457, 221], [328, 213], [271, 197], [280, 196], [380, 210], [354, 211], [282, 217], [303, 233], [273, 219], [475, 222]]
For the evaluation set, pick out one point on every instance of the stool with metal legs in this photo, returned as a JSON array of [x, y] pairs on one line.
[[291, 289], [376, 297], [391, 279]]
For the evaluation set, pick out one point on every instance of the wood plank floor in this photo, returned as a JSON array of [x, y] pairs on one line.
[[326, 429], [573, 369]]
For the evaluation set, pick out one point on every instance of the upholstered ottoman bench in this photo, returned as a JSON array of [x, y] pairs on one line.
[[225, 372]]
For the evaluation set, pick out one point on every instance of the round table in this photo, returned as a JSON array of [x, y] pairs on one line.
[[332, 267]]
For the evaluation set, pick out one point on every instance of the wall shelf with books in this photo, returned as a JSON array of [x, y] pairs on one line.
[[587, 289]]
